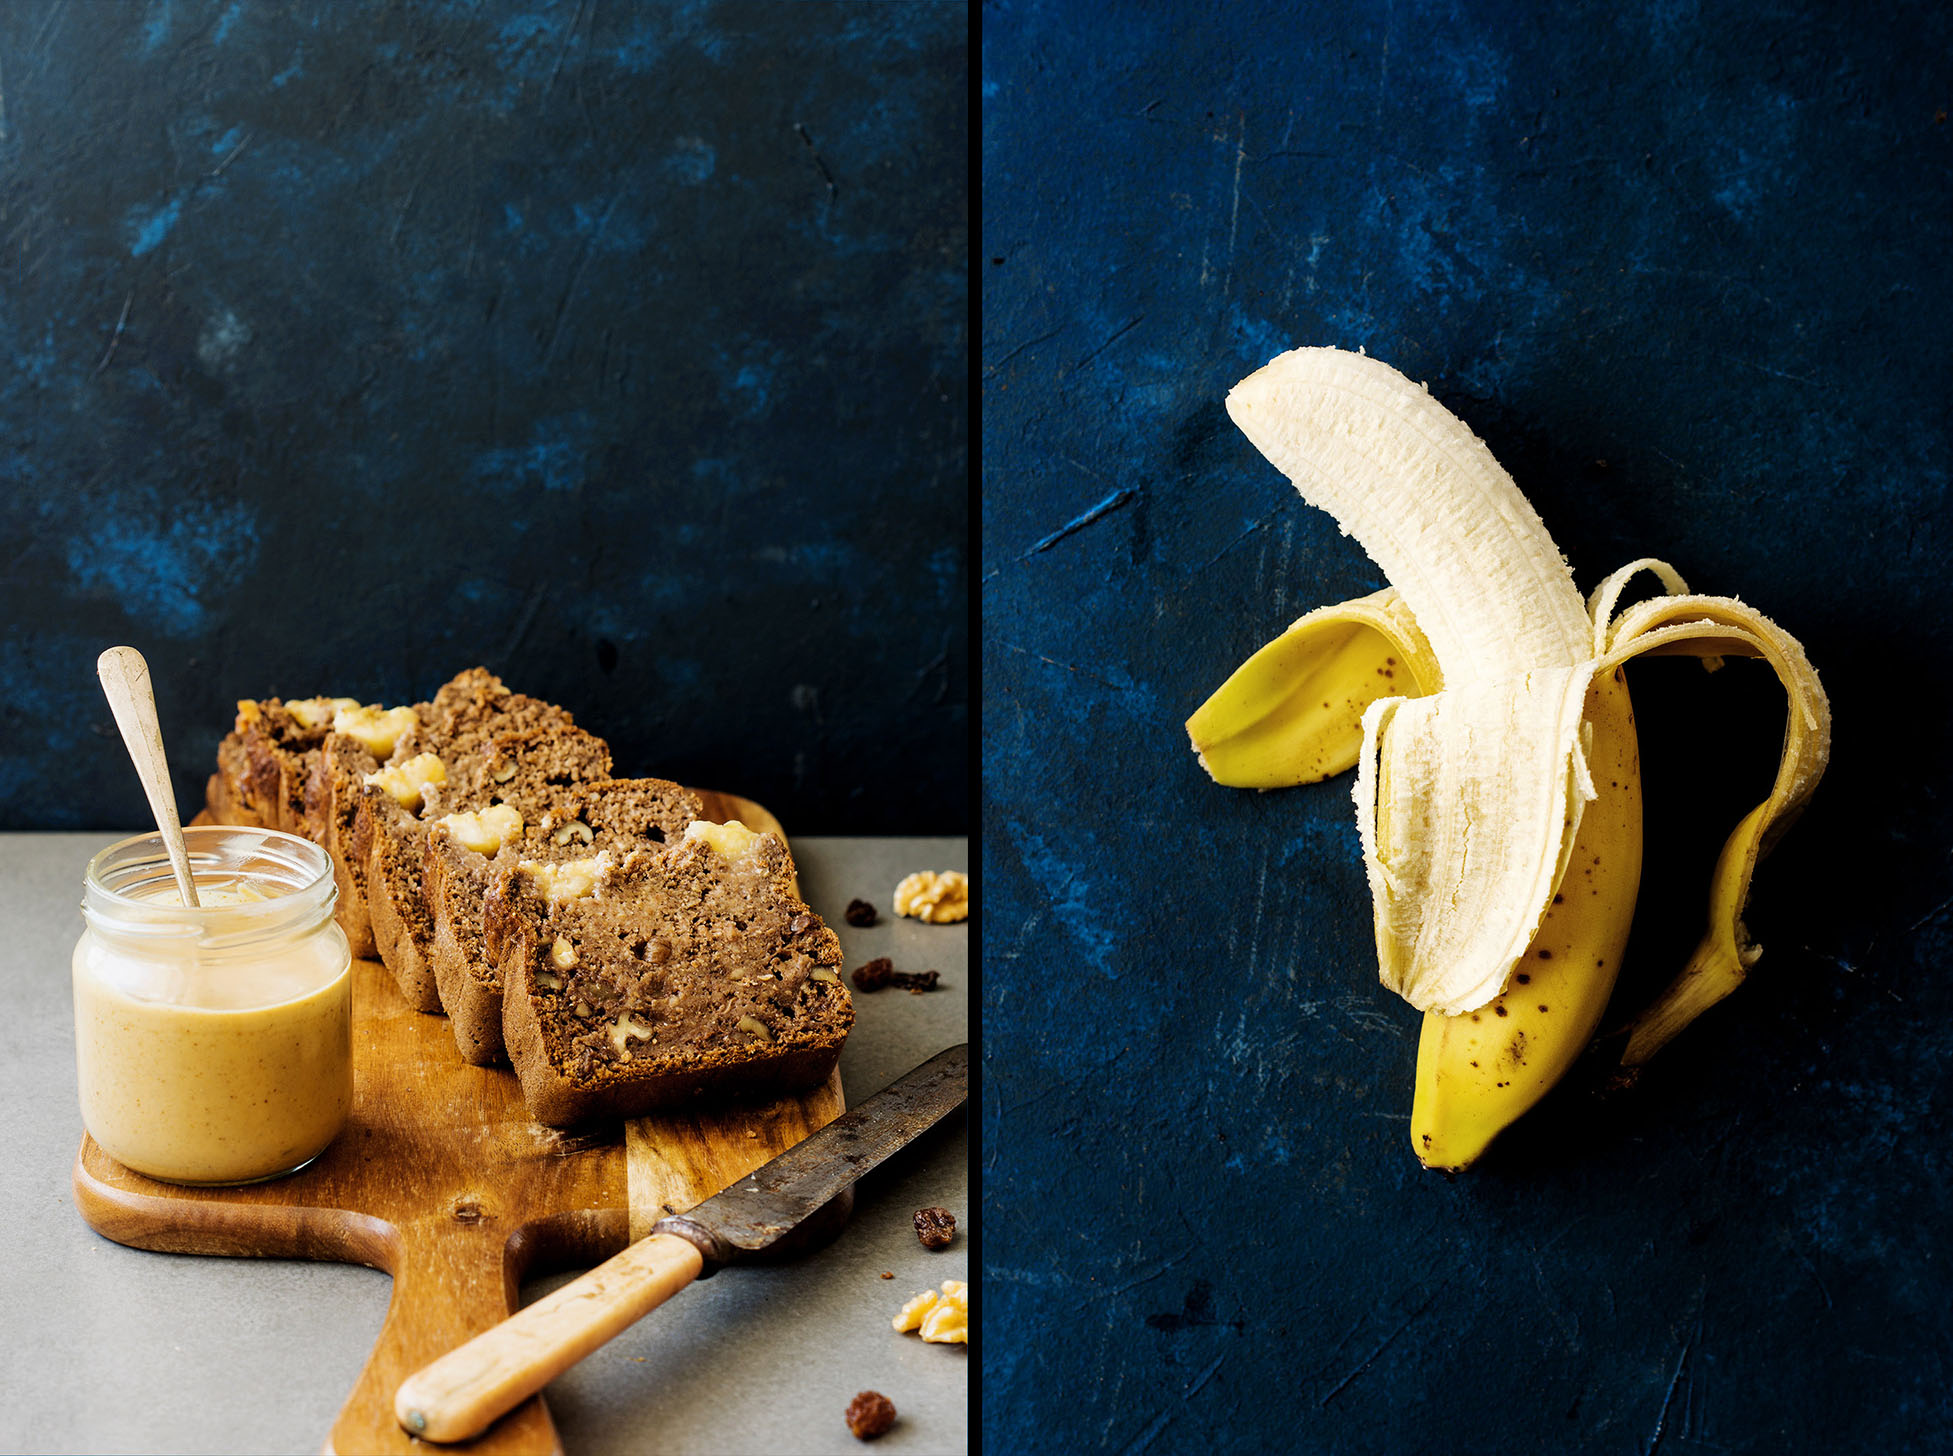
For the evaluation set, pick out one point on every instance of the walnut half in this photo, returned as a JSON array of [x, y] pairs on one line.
[[937, 896], [622, 1029], [943, 1319], [949, 1322]]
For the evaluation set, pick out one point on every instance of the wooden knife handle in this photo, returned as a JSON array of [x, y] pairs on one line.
[[462, 1392]]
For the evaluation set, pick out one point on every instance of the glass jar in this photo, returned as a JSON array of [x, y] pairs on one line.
[[213, 1045]]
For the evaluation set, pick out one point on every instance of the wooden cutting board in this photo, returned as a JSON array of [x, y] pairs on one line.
[[442, 1180]]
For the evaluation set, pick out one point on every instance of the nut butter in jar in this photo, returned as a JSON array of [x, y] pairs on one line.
[[213, 1045]]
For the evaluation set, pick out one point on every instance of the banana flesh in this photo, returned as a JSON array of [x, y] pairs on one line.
[[1488, 780], [1482, 703], [1424, 497]]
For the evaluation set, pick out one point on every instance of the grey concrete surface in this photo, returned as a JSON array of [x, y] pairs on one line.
[[117, 1349]]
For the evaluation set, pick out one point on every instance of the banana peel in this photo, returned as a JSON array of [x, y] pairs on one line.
[[1293, 713], [1481, 700], [1713, 628]]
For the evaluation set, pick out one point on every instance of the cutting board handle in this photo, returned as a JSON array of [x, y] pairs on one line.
[[464, 1390], [453, 1279]]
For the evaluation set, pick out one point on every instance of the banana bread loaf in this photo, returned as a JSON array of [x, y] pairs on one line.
[[497, 794], [669, 974]]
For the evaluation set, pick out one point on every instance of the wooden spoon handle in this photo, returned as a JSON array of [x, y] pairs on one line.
[[125, 679], [467, 1388]]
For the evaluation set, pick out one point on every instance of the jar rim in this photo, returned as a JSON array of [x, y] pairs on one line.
[[228, 851]]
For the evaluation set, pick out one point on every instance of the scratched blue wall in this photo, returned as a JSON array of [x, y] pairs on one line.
[[1685, 268], [345, 344]]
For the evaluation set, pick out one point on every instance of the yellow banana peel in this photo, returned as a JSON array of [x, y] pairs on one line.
[[1293, 713]]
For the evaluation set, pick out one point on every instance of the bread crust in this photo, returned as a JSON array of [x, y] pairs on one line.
[[391, 843], [278, 754], [331, 810], [454, 880], [223, 795]]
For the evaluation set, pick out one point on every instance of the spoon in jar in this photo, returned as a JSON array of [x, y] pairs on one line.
[[125, 680]]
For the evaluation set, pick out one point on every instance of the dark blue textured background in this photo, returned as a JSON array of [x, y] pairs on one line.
[[1685, 268], [345, 344]]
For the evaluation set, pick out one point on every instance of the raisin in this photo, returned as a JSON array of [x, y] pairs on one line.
[[935, 1227], [860, 913], [875, 975], [914, 982], [870, 1414]]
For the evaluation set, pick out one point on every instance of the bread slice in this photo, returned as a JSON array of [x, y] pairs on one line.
[[388, 842], [617, 815], [669, 975], [362, 740], [525, 772], [389, 835], [331, 805], [225, 795], [263, 764], [341, 766], [283, 766]]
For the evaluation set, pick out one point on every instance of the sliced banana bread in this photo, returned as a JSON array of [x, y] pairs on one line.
[[389, 834], [331, 806], [671, 973], [615, 814], [496, 794], [281, 743], [225, 794], [618, 815], [263, 764], [362, 741]]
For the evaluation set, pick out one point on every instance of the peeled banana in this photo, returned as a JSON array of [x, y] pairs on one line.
[[1482, 703]]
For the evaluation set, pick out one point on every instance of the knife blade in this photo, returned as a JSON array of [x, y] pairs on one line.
[[459, 1395], [770, 1202]]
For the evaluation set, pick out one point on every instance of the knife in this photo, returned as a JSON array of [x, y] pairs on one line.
[[460, 1394]]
